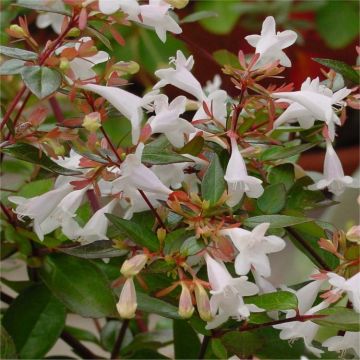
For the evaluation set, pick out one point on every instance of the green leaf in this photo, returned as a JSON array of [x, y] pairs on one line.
[[79, 284], [225, 57], [213, 183], [280, 300], [155, 158], [150, 304], [41, 80], [55, 7], [218, 348], [186, 341], [175, 240], [36, 188], [193, 147], [11, 67], [136, 232], [18, 53], [33, 155], [161, 266], [242, 344], [276, 221], [339, 318], [34, 320], [338, 22], [81, 334], [100, 36], [282, 174], [192, 246], [96, 250], [227, 17], [282, 152], [110, 332], [273, 199], [342, 68], [7, 346], [199, 15]]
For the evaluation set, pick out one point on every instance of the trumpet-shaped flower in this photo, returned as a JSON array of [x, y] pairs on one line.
[[130, 7], [180, 77], [168, 121], [127, 303], [313, 101], [135, 175], [52, 19], [253, 248], [155, 15], [95, 229], [186, 308], [133, 266], [128, 104], [270, 44], [202, 302], [238, 180], [227, 294], [334, 178], [350, 340]]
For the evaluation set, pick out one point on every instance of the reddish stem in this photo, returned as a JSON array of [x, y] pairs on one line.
[[56, 110], [152, 209]]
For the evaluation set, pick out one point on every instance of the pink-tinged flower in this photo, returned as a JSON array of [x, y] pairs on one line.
[[134, 265], [96, 227], [135, 175], [253, 248], [186, 307], [156, 15], [238, 180], [353, 234], [130, 7], [334, 178], [202, 302], [306, 330], [350, 341], [227, 294], [127, 303], [126, 103], [313, 102], [168, 121], [53, 19], [350, 286], [270, 44]]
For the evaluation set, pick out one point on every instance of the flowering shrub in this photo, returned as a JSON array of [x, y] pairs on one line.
[[177, 209]]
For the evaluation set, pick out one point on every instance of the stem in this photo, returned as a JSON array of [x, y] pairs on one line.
[[204, 346], [119, 339], [7, 299], [94, 203], [110, 144], [7, 214], [152, 209], [78, 347], [56, 110], [308, 248]]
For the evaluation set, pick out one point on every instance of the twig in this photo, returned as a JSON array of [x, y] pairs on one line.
[[78, 347], [119, 339], [94, 203], [56, 110], [7, 299], [204, 346], [152, 209], [110, 144], [8, 214]]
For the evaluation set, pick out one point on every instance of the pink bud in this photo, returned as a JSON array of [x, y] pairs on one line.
[[127, 304], [202, 302], [133, 266], [186, 307]]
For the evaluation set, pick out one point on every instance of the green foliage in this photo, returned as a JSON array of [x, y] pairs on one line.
[[18, 53], [276, 221], [12, 67], [34, 321], [7, 346], [280, 300], [200, 15], [186, 341], [284, 152], [89, 296], [242, 344], [282, 174], [273, 199], [339, 318], [225, 57]]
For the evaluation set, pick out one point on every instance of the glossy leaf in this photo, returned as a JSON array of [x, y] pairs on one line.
[[41, 80], [193, 147], [242, 344], [11, 67], [33, 155], [199, 15], [218, 349], [276, 221], [282, 174], [225, 57], [186, 341], [339, 318], [34, 320], [79, 284], [213, 183], [18, 53], [81, 334], [280, 300], [175, 239], [41, 6], [155, 158], [283, 152], [135, 232], [273, 199]]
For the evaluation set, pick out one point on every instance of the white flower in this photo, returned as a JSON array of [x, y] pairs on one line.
[[40, 207], [307, 329], [168, 121], [227, 294], [134, 265], [253, 248], [130, 7], [71, 162], [350, 340], [238, 180], [54, 20], [155, 15], [180, 77], [313, 102], [127, 303], [95, 229], [128, 104], [270, 44], [213, 85], [334, 178], [135, 175], [350, 286]]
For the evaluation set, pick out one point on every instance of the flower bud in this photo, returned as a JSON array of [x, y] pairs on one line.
[[178, 4], [64, 64], [202, 302], [186, 307], [74, 32], [17, 31], [133, 266], [161, 234], [353, 234], [127, 304], [126, 67], [92, 122]]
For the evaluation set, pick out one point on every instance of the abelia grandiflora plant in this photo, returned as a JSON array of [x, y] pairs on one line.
[[191, 208]]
